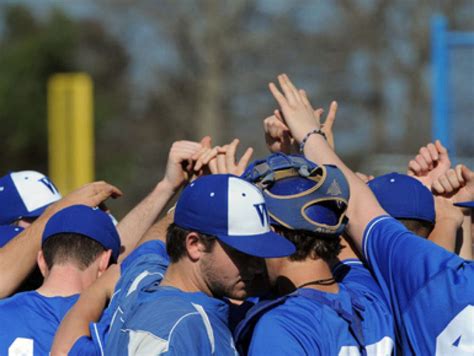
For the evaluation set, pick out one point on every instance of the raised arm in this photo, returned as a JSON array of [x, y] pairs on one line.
[[18, 257], [458, 185], [134, 225], [301, 120]]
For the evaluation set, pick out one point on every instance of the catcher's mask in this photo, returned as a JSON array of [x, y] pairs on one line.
[[301, 195]]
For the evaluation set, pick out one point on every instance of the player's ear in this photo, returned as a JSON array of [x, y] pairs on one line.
[[42, 264], [194, 246], [104, 261]]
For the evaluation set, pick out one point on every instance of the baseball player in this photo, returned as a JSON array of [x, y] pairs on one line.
[[78, 244], [312, 314], [220, 222], [431, 291], [18, 256]]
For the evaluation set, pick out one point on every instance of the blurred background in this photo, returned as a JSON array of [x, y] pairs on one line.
[[168, 70]]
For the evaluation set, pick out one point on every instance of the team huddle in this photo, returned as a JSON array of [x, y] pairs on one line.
[[291, 254]]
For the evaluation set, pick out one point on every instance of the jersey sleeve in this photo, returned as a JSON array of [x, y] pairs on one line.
[[93, 345], [401, 261], [150, 247], [272, 336]]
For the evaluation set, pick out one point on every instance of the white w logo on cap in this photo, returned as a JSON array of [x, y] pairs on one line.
[[244, 200], [262, 213]]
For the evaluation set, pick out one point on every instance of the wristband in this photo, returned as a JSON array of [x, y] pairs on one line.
[[315, 131]]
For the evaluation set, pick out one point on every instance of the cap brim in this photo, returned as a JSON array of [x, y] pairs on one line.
[[466, 204], [267, 245]]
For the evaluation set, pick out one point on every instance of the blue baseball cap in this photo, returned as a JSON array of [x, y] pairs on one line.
[[234, 211], [25, 194], [404, 197], [465, 204], [8, 232], [84, 220]]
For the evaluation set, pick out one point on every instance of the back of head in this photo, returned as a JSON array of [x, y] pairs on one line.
[[79, 234], [306, 202], [71, 248], [25, 194], [406, 199]]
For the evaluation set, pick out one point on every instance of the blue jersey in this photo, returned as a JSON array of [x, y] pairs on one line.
[[312, 322], [28, 322], [167, 321], [431, 290], [144, 267]]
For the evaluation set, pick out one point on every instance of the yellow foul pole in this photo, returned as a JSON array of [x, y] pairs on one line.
[[70, 130]]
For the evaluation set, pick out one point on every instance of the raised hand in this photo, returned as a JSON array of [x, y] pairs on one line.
[[278, 136], [457, 183], [431, 162], [92, 194], [180, 162], [298, 113]]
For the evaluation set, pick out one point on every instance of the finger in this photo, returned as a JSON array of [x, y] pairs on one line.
[[461, 173], [440, 148], [213, 166], [279, 116], [427, 157], [453, 179], [414, 168], [443, 180], [205, 158], [432, 151], [279, 97], [437, 188], [206, 141], [107, 188], [221, 164], [305, 100], [329, 122], [288, 89], [230, 155], [422, 162], [244, 160], [318, 112], [211, 154]]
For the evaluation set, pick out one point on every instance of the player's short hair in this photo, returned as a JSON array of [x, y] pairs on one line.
[[310, 243], [71, 248], [176, 242], [419, 227]]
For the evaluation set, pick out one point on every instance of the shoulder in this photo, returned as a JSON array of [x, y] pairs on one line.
[[18, 301], [166, 311]]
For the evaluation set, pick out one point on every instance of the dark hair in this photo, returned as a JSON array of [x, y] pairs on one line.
[[176, 241], [419, 227], [309, 243], [70, 247]]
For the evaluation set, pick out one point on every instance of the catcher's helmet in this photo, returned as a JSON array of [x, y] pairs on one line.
[[301, 195]]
